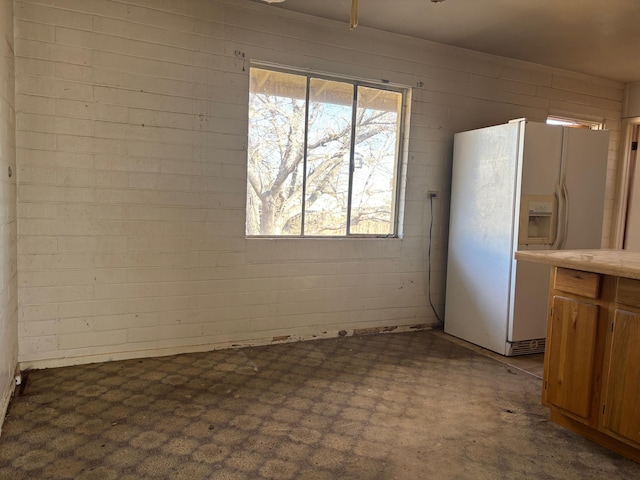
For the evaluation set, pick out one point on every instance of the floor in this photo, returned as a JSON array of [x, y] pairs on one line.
[[414, 405], [533, 364]]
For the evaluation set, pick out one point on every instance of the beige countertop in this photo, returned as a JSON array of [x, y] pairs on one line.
[[619, 263]]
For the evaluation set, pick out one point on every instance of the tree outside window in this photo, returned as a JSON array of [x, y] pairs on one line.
[[322, 156]]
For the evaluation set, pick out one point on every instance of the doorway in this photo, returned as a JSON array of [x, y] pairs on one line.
[[625, 231], [631, 237]]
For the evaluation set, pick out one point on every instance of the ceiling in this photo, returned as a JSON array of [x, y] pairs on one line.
[[597, 37]]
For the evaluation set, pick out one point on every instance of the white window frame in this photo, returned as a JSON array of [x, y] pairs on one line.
[[569, 121], [401, 150]]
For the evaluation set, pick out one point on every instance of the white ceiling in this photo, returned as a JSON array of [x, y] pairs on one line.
[[597, 37]]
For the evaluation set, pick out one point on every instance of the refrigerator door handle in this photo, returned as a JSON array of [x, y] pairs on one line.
[[560, 223], [565, 216]]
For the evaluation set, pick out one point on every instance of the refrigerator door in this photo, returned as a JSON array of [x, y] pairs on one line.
[[585, 172], [529, 320], [485, 180], [542, 156]]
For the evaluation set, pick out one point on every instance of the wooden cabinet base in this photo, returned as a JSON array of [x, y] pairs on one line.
[[592, 360], [595, 436]]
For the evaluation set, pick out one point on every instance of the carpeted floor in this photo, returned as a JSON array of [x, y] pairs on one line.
[[395, 406]]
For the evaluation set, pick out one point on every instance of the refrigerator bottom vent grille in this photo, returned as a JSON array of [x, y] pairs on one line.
[[527, 347]]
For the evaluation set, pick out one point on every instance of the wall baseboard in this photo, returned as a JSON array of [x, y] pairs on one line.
[[257, 342]]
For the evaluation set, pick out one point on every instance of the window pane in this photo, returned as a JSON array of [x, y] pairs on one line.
[[328, 150], [574, 123], [375, 161], [345, 182], [275, 153]]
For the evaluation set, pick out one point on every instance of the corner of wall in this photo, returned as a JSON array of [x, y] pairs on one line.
[[8, 229]]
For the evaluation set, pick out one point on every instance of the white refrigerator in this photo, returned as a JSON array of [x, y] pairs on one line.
[[522, 185]]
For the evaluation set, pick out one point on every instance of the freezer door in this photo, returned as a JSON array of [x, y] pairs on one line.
[[585, 171], [540, 178], [481, 234], [542, 157]]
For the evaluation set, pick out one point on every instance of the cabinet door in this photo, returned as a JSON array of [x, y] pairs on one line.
[[571, 349], [621, 382]]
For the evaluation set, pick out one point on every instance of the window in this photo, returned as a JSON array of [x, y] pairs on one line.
[[574, 122], [323, 156]]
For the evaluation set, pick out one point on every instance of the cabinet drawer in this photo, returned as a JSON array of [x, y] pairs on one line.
[[585, 284], [628, 292]]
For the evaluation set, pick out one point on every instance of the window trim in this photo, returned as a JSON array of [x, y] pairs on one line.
[[401, 147], [574, 122]]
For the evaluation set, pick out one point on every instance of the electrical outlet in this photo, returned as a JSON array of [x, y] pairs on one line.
[[432, 194]]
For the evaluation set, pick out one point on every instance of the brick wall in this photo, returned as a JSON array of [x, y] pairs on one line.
[[8, 267], [131, 131]]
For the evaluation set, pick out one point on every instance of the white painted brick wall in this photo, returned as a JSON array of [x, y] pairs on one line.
[[8, 252], [132, 151]]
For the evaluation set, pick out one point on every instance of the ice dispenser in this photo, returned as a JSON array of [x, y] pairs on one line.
[[537, 219]]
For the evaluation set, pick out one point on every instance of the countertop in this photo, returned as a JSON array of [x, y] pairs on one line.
[[619, 263]]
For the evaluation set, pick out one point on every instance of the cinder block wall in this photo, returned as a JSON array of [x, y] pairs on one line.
[[131, 131], [8, 266]]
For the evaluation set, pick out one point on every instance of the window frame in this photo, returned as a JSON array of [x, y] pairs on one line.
[[400, 153], [574, 122]]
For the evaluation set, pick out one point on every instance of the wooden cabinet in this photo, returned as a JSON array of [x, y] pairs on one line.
[[571, 350], [592, 360], [583, 284], [621, 380]]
